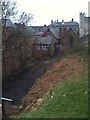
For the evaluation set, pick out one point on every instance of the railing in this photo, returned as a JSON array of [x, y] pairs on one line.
[[6, 106]]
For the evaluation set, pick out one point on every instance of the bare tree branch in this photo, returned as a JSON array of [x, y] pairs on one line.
[[25, 18], [8, 10]]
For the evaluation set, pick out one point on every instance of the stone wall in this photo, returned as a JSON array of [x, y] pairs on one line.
[[83, 26]]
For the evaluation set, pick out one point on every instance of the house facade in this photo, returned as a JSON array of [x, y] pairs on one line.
[[44, 47]]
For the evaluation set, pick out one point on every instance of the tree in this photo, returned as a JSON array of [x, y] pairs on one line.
[[25, 18], [8, 10], [71, 42]]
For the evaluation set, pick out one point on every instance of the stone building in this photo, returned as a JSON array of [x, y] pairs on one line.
[[64, 26], [44, 47], [84, 25]]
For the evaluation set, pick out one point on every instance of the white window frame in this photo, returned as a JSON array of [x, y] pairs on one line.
[[44, 47]]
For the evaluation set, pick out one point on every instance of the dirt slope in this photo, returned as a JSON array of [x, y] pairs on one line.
[[58, 71]]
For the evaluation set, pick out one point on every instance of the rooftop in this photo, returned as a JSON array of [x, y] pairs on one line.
[[43, 40], [71, 23], [55, 32]]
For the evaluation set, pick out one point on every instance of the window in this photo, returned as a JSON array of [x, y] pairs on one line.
[[44, 47], [38, 47]]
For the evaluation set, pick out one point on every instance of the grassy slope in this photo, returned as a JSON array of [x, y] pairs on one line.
[[68, 100]]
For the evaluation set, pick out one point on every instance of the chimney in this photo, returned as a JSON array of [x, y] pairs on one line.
[[80, 13], [57, 20], [62, 21], [84, 14], [45, 25], [72, 19], [51, 21]]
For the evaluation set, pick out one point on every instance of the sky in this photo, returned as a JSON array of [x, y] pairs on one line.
[[46, 10]]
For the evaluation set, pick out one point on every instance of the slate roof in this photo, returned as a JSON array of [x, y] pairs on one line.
[[64, 24], [71, 29], [55, 32], [39, 28], [43, 40], [74, 32]]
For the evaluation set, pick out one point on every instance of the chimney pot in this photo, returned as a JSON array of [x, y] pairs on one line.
[[72, 19], [51, 21], [62, 21], [45, 25]]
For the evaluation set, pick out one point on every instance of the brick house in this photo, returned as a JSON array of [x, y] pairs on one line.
[[44, 47], [64, 34], [55, 34], [49, 39]]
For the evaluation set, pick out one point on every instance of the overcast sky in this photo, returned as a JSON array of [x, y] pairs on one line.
[[46, 10]]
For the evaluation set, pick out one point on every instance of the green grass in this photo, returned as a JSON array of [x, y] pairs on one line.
[[70, 100]]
